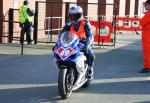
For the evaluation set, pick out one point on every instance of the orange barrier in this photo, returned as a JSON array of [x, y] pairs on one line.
[[105, 30], [128, 24]]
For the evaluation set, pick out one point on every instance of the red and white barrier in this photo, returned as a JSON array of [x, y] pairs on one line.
[[105, 30], [128, 23]]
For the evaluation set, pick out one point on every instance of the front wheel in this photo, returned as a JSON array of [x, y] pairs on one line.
[[65, 83]]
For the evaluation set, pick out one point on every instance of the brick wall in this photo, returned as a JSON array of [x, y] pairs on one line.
[[92, 7], [55, 10], [136, 7], [7, 4], [127, 7], [102, 8], [116, 9], [84, 6], [1, 18]]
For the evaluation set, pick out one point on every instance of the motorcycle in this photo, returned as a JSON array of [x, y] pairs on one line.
[[72, 64]]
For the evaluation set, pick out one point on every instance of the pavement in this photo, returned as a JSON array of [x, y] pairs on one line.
[[129, 42], [32, 77]]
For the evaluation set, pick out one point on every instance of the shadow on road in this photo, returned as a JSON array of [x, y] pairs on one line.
[[144, 102], [119, 63], [30, 95], [123, 88], [19, 71]]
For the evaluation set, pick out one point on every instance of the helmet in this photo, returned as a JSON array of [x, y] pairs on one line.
[[25, 2], [75, 13], [147, 2]]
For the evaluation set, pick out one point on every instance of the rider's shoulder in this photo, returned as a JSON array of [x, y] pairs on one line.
[[87, 23]]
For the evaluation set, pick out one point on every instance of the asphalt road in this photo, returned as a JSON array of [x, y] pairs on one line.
[[32, 77]]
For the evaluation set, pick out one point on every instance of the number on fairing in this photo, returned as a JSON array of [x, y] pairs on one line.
[[65, 53]]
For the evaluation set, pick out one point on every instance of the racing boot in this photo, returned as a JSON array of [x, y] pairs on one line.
[[90, 73], [145, 70]]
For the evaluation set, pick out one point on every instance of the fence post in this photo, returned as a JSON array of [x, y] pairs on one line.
[[99, 28], [115, 12], [36, 23], [11, 19], [1, 30]]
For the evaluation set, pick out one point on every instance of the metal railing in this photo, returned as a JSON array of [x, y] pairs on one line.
[[48, 27]]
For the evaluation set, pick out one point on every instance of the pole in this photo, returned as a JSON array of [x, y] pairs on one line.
[[22, 46], [36, 23], [11, 19]]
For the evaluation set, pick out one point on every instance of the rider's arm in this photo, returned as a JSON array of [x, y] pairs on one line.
[[88, 31], [66, 27]]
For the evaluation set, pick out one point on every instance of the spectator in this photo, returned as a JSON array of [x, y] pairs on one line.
[[145, 25], [25, 19]]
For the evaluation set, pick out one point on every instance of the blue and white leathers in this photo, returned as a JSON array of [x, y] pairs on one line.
[[68, 57]]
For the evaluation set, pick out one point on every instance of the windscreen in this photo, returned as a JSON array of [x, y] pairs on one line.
[[67, 38]]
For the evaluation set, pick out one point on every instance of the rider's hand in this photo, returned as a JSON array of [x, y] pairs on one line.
[[86, 48]]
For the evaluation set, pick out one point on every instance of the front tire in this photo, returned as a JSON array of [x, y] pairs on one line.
[[65, 84]]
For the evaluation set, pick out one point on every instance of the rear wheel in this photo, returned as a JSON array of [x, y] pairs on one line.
[[65, 82]]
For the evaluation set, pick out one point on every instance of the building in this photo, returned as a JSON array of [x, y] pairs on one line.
[[124, 8]]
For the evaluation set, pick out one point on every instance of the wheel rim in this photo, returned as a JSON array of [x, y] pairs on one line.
[[69, 81]]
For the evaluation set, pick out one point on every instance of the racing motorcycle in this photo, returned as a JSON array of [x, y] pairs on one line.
[[72, 64]]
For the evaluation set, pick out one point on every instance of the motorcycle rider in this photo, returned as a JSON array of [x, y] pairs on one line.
[[80, 26]]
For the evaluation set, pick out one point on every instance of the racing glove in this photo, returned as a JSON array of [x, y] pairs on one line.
[[86, 48]]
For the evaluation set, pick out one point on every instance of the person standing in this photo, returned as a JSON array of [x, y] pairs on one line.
[[25, 19], [145, 24]]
